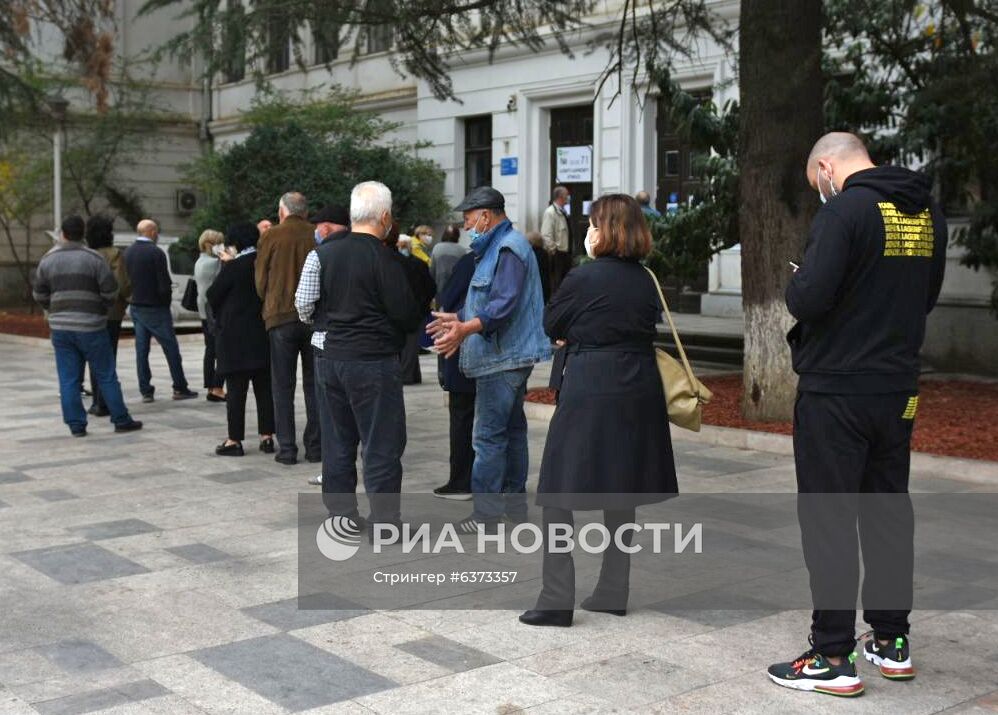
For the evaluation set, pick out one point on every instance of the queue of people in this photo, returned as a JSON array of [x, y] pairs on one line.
[[346, 293]]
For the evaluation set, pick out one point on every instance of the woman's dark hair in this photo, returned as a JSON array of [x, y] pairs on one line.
[[392, 239], [451, 234], [242, 235], [623, 229], [100, 231]]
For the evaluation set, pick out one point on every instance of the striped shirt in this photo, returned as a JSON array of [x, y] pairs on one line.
[[76, 286]]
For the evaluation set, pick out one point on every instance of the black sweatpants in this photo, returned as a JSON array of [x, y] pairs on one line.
[[462, 454], [236, 387], [852, 455]]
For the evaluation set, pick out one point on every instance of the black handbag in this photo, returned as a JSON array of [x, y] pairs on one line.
[[190, 299]]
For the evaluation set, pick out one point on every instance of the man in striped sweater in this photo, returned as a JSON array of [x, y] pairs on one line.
[[74, 284]]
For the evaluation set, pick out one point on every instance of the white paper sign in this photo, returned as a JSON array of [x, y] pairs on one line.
[[575, 164]]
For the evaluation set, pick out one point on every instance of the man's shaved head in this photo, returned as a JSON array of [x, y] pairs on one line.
[[837, 155], [837, 145], [147, 227]]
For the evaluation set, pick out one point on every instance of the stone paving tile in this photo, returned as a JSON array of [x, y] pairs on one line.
[[445, 652], [79, 563], [290, 672], [78, 656], [102, 699], [13, 477], [35, 466], [114, 529], [199, 553], [237, 476], [291, 615], [54, 495]]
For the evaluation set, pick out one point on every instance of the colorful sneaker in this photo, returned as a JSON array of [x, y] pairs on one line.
[[893, 659], [813, 672]]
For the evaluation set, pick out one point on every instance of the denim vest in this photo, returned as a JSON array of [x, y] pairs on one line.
[[521, 342]]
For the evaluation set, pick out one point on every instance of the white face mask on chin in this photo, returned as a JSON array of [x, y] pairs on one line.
[[588, 243]]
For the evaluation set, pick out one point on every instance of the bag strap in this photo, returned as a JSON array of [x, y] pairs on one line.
[[675, 333]]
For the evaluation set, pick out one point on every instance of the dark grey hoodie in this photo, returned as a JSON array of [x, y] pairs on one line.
[[872, 270]]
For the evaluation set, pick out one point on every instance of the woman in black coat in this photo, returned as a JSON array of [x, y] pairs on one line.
[[608, 446], [241, 346]]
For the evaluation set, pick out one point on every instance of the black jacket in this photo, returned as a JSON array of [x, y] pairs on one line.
[[241, 343], [609, 444], [147, 270], [451, 300], [420, 280], [872, 270], [366, 305]]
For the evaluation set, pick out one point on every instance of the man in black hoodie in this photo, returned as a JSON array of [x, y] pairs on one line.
[[871, 272]]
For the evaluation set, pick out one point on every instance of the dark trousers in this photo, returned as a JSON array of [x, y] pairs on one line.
[[211, 379], [287, 342], [237, 385], [561, 264], [613, 586], [462, 453], [156, 322], [361, 403], [852, 455], [113, 332], [409, 359]]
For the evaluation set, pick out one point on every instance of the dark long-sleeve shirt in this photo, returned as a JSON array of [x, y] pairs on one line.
[[149, 274], [504, 292]]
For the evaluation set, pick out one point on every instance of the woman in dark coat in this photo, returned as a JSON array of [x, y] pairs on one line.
[[241, 346], [608, 446]]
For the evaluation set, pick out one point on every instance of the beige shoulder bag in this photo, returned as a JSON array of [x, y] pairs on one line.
[[685, 395]]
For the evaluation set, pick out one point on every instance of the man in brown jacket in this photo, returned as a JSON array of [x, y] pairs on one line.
[[281, 255]]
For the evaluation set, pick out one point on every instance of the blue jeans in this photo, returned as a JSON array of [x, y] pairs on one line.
[[72, 351], [499, 475], [360, 402], [156, 322]]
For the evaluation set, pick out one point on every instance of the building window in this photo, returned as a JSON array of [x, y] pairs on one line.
[[326, 37], [477, 152], [278, 42], [380, 38], [234, 43]]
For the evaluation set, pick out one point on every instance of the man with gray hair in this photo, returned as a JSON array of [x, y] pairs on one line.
[[281, 255], [556, 232], [356, 295]]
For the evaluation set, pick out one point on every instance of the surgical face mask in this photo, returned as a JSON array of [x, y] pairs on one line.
[[474, 233], [318, 237], [821, 194], [588, 243]]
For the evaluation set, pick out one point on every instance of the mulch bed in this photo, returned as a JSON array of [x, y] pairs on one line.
[[956, 418], [15, 322]]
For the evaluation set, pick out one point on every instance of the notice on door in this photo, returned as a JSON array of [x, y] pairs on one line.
[[575, 164]]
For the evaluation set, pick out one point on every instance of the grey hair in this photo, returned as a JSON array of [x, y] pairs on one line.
[[839, 145], [558, 192], [295, 204], [369, 201]]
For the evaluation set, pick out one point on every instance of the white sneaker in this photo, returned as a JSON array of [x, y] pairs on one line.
[[316, 481]]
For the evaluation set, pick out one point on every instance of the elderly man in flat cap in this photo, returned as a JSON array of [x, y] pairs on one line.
[[501, 335]]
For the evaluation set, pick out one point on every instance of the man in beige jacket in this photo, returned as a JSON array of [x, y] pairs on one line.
[[556, 235]]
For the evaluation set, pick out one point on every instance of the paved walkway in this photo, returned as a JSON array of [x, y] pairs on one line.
[[142, 574]]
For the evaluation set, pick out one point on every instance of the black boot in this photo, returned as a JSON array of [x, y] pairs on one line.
[[563, 619]]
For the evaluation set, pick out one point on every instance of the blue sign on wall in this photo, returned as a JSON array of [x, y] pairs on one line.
[[508, 166]]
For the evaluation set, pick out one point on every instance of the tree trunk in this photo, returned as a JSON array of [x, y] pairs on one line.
[[780, 84]]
